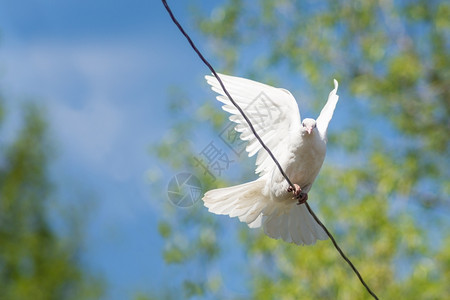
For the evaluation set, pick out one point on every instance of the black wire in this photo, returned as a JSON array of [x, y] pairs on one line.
[[265, 147], [340, 251], [226, 92]]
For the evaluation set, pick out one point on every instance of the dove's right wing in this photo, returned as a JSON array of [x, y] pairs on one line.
[[273, 112], [327, 112]]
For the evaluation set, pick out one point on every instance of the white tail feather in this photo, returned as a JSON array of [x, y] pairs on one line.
[[295, 225], [244, 201]]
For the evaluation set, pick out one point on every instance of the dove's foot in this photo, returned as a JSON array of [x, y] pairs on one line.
[[298, 194], [297, 190]]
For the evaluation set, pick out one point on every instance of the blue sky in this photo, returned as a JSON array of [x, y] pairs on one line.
[[102, 70]]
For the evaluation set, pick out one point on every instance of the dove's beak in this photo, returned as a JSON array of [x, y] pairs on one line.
[[309, 129]]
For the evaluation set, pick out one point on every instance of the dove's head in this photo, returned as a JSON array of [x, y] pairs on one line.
[[308, 126]]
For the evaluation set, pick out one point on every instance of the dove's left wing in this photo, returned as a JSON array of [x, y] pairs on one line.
[[273, 112], [327, 112]]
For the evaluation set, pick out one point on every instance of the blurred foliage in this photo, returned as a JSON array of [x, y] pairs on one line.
[[35, 261], [386, 198]]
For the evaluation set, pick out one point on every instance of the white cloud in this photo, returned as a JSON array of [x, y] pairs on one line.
[[86, 89], [90, 132]]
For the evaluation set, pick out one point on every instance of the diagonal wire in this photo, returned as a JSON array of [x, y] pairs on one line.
[[265, 147], [226, 92]]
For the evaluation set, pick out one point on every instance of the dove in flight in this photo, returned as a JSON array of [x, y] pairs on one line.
[[299, 146]]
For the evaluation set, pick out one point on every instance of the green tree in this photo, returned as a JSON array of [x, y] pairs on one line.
[[383, 198], [36, 261]]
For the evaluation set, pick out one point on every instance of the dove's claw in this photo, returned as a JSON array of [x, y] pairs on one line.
[[302, 197], [296, 192]]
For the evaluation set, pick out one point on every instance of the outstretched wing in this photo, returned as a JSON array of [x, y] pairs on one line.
[[273, 112], [327, 112]]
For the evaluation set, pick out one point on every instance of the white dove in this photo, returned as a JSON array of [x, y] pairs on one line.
[[300, 148]]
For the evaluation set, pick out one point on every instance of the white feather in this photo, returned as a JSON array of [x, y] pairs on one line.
[[327, 111]]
